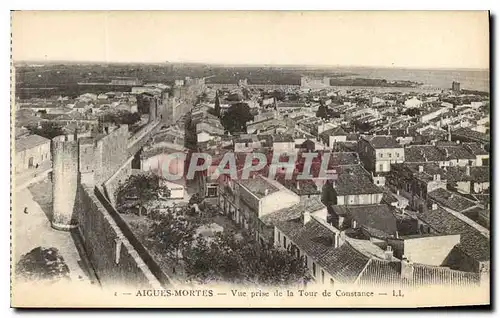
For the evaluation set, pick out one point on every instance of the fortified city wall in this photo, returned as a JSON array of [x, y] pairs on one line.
[[87, 171]]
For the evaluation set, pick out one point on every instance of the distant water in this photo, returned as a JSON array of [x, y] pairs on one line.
[[469, 79]]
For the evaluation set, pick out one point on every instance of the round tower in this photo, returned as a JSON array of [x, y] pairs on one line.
[[64, 182]]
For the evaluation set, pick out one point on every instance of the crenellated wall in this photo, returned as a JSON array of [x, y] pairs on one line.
[[86, 173]]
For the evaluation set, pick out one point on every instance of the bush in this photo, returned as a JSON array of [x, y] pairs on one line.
[[42, 264]]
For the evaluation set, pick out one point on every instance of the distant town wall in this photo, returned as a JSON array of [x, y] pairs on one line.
[[113, 183], [114, 151]]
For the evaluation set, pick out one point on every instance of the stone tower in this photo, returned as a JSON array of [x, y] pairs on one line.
[[64, 181]]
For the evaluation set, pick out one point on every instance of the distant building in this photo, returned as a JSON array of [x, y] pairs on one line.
[[334, 258], [378, 153], [128, 81], [310, 82], [31, 152], [413, 102], [455, 87]]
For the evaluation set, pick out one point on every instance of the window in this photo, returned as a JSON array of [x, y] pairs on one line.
[[381, 167], [306, 260], [381, 155], [397, 154], [390, 155], [314, 269], [284, 241], [322, 276], [279, 237], [211, 191]]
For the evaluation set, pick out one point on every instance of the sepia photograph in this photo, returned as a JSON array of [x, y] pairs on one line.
[[250, 159]]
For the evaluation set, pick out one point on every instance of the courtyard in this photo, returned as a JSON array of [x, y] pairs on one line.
[[31, 229]]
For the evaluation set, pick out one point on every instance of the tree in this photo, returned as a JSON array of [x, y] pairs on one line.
[[233, 98], [195, 199], [174, 232], [217, 104], [362, 126], [242, 260], [47, 129], [277, 267], [143, 102], [138, 190], [121, 117], [322, 112], [412, 112], [278, 95], [42, 264], [213, 260], [236, 118], [246, 93]]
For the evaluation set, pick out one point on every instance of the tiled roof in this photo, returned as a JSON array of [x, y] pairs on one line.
[[388, 197], [344, 158], [379, 142], [337, 131], [380, 272], [471, 134], [424, 153], [29, 142], [456, 174], [310, 205], [305, 187], [345, 263], [456, 152], [376, 216], [451, 200], [258, 186], [480, 173], [314, 238], [350, 183], [291, 104], [472, 241], [362, 262], [282, 138], [475, 148]]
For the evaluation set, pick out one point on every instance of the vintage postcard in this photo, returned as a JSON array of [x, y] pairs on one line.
[[316, 159]]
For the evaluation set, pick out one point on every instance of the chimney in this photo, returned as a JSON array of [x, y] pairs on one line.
[[397, 192], [437, 177], [388, 253], [420, 168], [336, 240], [434, 206], [467, 170], [266, 192], [306, 217], [406, 269]]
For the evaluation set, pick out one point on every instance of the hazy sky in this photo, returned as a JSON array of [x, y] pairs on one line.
[[379, 38]]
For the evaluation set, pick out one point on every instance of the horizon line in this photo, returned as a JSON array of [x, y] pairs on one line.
[[247, 64]]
